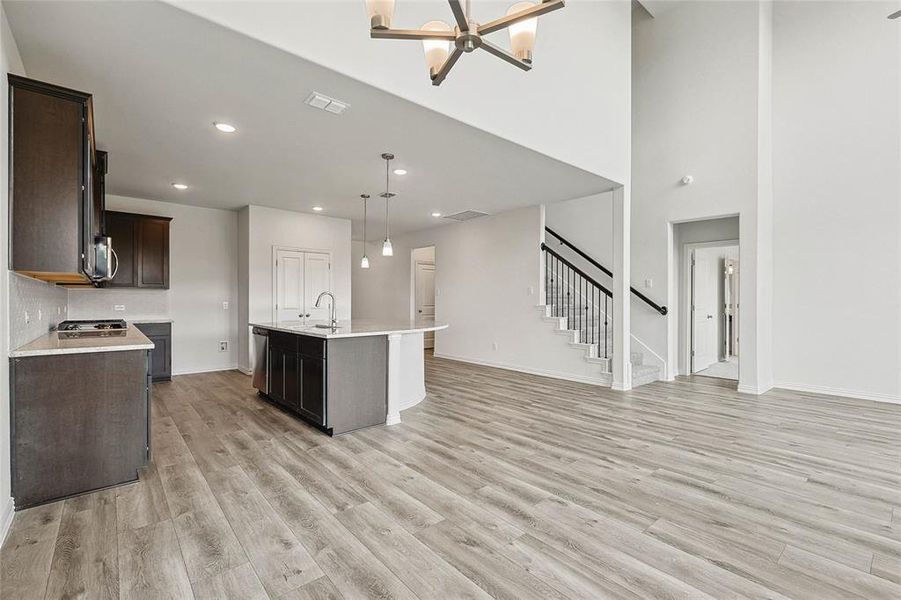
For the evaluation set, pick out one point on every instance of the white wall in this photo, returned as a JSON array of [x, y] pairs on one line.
[[837, 146], [10, 62], [581, 59], [696, 95], [203, 262], [270, 227], [587, 223], [487, 274]]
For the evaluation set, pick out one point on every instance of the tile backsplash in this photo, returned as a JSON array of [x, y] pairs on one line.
[[131, 304], [34, 308]]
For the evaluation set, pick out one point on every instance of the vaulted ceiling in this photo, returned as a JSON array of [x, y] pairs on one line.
[[161, 76]]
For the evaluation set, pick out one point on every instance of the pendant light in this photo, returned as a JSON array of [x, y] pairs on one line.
[[364, 262], [387, 249]]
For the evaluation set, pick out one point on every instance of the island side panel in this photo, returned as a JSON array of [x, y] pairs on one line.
[[80, 423], [357, 382]]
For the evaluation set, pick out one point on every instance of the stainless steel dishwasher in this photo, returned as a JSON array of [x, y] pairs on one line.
[[261, 359]]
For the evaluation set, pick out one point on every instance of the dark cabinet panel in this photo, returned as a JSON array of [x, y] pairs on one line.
[[277, 373], [80, 422], [99, 191], [121, 228], [141, 243], [284, 376], [161, 336], [312, 397], [297, 381], [153, 252], [50, 194]]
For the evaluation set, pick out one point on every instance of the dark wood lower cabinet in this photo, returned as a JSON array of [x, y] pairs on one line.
[[312, 397], [80, 422], [161, 336], [338, 385], [284, 377]]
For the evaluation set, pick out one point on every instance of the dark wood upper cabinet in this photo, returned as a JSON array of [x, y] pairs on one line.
[[53, 169], [121, 228], [153, 252], [99, 191], [141, 243]]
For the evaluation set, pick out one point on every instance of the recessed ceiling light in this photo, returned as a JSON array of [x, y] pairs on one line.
[[317, 208], [436, 214], [180, 186], [225, 127], [400, 171]]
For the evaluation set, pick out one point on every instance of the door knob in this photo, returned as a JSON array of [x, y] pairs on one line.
[[709, 316], [420, 310]]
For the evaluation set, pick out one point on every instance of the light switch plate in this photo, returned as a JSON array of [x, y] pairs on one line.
[[119, 307]]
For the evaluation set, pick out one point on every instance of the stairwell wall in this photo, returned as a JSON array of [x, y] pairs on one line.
[[487, 274]]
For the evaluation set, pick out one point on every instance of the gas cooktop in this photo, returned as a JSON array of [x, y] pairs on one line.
[[92, 328]]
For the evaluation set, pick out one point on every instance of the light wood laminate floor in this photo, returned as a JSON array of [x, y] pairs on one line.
[[498, 485]]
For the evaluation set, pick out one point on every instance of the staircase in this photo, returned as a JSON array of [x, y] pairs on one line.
[[581, 309]]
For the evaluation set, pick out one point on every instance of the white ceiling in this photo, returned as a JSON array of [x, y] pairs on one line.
[[161, 77], [577, 96]]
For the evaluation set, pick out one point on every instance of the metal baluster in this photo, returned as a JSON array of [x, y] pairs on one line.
[[581, 299], [605, 325]]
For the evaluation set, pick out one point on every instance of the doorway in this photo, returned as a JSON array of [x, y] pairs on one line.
[[713, 309], [299, 276], [424, 289]]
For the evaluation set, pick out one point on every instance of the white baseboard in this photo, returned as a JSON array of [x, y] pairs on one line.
[[518, 369], [6, 518], [619, 387], [831, 391], [245, 370], [753, 389], [210, 370]]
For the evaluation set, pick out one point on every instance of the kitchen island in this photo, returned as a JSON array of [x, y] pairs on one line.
[[358, 374]]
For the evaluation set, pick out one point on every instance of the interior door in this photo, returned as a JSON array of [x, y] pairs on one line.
[[705, 304], [425, 297], [289, 282], [317, 279]]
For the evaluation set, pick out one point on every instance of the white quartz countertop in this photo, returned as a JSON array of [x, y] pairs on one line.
[[150, 320], [354, 327], [50, 343]]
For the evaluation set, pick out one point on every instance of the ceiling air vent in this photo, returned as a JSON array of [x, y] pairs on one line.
[[466, 215], [323, 102]]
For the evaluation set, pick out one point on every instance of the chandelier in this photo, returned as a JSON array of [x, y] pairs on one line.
[[443, 45]]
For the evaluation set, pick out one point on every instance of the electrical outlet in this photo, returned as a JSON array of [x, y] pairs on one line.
[[59, 311], [223, 346], [119, 307], [531, 290], [494, 345], [40, 315], [225, 306], [27, 318], [649, 283]]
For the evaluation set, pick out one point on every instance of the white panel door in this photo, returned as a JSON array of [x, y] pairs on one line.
[[289, 279], [425, 297], [317, 279], [705, 300]]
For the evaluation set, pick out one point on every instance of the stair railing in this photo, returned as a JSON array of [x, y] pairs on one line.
[[563, 241], [574, 295]]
